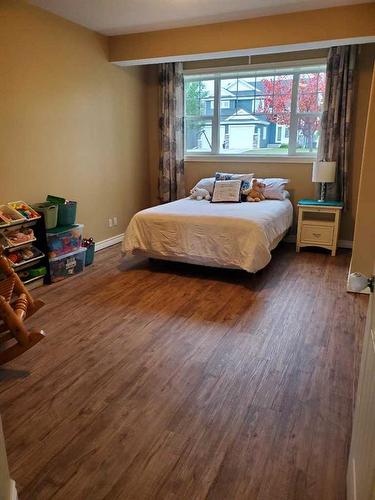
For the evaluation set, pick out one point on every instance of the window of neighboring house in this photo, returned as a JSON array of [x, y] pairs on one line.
[[279, 132], [274, 112]]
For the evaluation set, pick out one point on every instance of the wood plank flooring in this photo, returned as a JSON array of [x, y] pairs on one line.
[[165, 381]]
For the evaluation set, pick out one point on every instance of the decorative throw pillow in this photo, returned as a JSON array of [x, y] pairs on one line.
[[227, 191], [275, 188], [221, 176], [245, 178]]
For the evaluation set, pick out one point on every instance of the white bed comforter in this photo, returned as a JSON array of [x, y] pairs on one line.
[[236, 235]]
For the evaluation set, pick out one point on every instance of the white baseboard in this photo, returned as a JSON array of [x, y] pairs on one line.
[[351, 481], [100, 245], [13, 490], [291, 238]]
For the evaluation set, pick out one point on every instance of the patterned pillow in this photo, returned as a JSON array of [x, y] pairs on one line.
[[220, 176], [227, 191], [245, 178]]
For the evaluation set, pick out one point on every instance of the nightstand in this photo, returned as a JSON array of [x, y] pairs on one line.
[[318, 224]]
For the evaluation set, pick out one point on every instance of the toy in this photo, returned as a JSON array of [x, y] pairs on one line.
[[64, 242], [9, 216], [89, 244], [24, 209], [67, 266], [21, 256], [18, 236], [14, 312], [199, 194], [255, 191]]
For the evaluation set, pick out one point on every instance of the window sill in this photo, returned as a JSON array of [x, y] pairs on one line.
[[249, 159]]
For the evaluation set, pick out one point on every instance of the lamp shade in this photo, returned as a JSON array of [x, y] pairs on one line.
[[324, 171]]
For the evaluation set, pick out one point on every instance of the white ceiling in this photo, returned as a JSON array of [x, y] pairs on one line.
[[113, 17]]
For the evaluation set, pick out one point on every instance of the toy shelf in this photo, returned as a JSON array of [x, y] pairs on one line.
[[26, 263], [12, 247], [23, 222], [37, 241], [31, 280]]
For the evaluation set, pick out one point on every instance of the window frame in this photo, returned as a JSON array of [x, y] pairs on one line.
[[216, 74]]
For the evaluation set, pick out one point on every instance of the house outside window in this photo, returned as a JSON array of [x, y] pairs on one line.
[[264, 112]]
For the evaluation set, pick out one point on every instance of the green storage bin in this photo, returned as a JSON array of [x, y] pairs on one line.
[[50, 211], [90, 252], [67, 210]]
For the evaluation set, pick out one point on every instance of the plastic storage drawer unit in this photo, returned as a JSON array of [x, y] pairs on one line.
[[67, 265], [61, 241]]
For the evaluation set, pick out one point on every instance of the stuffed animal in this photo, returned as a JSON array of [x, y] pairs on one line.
[[199, 194], [255, 191]]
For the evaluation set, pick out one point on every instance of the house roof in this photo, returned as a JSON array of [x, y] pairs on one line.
[[243, 117]]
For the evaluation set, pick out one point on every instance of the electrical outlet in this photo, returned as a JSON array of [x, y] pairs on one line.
[[115, 221], [110, 223]]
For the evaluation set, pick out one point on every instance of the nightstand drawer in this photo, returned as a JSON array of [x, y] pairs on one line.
[[317, 234]]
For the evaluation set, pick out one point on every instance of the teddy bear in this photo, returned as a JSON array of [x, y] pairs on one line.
[[199, 194], [255, 191]]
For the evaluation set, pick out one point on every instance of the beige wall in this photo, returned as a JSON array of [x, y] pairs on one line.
[[363, 258], [71, 123], [299, 173], [270, 31]]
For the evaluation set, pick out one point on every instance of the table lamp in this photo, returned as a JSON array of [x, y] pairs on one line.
[[323, 171]]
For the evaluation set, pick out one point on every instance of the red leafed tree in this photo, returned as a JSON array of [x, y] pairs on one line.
[[277, 102]]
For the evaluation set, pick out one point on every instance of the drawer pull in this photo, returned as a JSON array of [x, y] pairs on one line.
[[317, 235]]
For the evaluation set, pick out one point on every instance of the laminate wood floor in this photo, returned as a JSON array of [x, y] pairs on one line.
[[166, 381]]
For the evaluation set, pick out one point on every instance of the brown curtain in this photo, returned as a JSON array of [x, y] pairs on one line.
[[336, 124], [171, 124]]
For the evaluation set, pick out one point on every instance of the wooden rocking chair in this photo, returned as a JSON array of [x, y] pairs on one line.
[[14, 312]]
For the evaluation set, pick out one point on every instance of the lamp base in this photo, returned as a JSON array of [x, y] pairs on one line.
[[322, 193]]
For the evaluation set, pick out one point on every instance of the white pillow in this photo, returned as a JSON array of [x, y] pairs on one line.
[[273, 191], [206, 183], [275, 188]]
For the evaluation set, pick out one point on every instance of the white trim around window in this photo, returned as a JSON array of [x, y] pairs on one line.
[[248, 158], [261, 67], [216, 120]]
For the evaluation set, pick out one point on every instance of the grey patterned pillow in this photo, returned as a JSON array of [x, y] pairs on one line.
[[245, 178]]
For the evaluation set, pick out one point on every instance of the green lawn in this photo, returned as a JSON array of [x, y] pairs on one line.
[[276, 151]]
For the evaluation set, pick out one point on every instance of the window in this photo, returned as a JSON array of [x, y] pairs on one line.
[[279, 132], [274, 112]]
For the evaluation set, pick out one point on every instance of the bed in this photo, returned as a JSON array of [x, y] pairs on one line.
[[232, 235]]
